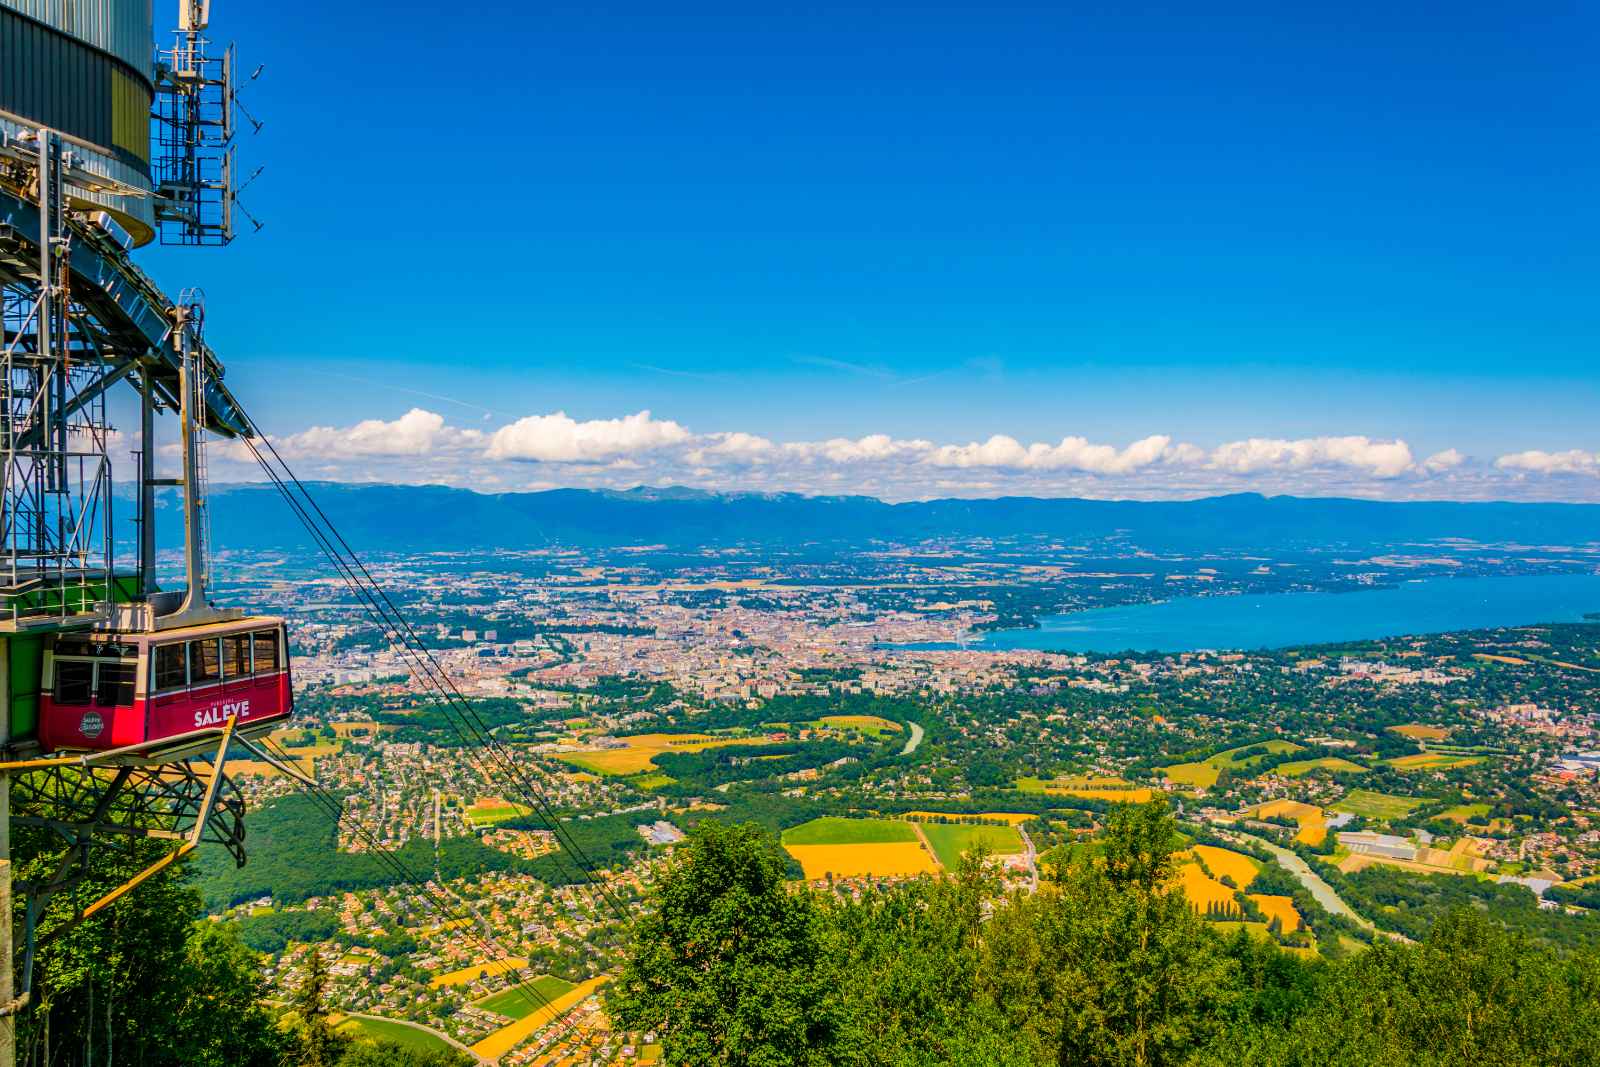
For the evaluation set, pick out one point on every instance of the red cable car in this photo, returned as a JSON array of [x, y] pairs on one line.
[[112, 690]]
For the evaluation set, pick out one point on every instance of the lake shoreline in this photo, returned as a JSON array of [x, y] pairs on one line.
[[1269, 621]]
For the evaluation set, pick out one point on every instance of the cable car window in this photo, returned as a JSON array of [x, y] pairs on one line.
[[75, 646], [74, 681], [235, 655], [172, 667], [115, 687], [266, 650], [203, 662]]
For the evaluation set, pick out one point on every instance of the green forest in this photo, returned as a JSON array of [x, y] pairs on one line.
[[1103, 966]]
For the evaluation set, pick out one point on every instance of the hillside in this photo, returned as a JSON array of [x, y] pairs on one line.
[[431, 518]]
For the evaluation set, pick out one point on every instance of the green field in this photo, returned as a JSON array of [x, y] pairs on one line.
[[1372, 805], [654, 781], [518, 1001], [1203, 773], [870, 725], [832, 830], [399, 1033], [1463, 812], [1334, 764], [951, 840], [1432, 761]]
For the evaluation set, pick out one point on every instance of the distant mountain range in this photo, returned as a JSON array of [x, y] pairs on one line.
[[434, 518]]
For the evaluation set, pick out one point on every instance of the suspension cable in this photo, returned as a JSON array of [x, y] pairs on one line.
[[422, 664]]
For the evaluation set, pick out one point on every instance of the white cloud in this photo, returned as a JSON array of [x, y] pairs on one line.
[[560, 439], [1440, 462], [1573, 461], [1073, 453], [735, 448], [876, 447], [541, 451], [1380, 459], [416, 433]]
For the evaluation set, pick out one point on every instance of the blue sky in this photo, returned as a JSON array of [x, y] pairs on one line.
[[931, 224]]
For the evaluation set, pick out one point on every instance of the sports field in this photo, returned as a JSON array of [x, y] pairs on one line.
[[951, 841], [487, 811], [517, 1002], [871, 725], [1370, 805]]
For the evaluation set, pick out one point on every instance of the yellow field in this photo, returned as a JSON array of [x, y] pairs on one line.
[[1203, 891], [642, 749], [504, 1040], [1200, 775], [1360, 861], [470, 974], [1139, 795], [1500, 659], [1313, 825], [1418, 732], [1236, 865], [1010, 818], [889, 859], [1280, 908]]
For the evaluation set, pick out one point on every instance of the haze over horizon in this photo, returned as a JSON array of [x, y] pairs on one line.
[[1049, 252]]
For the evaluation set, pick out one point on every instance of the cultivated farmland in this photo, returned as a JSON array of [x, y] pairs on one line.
[[1385, 806], [519, 1001], [638, 753], [858, 848], [1203, 774], [951, 841]]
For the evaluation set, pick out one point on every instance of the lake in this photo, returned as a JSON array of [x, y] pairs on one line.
[[1278, 620]]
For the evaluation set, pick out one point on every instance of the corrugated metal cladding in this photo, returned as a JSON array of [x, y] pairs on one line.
[[122, 27], [57, 81]]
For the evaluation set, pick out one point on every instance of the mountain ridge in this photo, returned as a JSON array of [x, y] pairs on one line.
[[435, 517]]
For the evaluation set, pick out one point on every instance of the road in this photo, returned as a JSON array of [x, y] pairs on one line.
[[446, 1038], [1033, 861], [913, 741]]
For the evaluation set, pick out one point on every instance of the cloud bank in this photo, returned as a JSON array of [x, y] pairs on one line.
[[548, 450]]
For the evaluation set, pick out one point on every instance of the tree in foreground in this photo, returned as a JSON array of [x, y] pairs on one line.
[[1107, 964], [726, 967], [316, 1043]]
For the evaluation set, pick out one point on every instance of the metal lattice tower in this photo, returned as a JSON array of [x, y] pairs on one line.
[[55, 487], [193, 163]]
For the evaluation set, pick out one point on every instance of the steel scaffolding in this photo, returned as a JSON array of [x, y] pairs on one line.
[[55, 488]]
